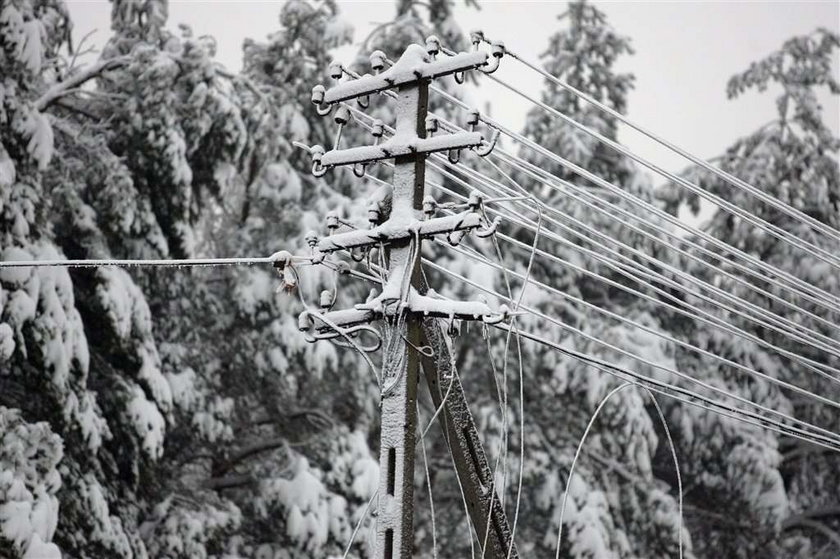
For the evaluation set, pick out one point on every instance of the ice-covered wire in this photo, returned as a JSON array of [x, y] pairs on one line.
[[685, 395], [431, 495], [637, 273], [774, 230], [700, 316], [819, 293], [822, 298], [152, 263], [780, 324], [720, 173], [670, 370], [610, 210], [828, 435], [792, 329], [589, 425]]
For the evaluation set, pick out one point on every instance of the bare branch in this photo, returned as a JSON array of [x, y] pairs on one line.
[[248, 451], [229, 482]]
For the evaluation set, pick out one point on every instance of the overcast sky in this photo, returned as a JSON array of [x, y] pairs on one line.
[[685, 52]]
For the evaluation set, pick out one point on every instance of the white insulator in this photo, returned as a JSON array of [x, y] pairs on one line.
[[318, 93], [326, 300], [342, 115], [377, 128], [332, 221], [336, 70], [377, 60], [432, 45]]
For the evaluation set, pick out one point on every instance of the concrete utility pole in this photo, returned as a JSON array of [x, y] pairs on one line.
[[412, 314]]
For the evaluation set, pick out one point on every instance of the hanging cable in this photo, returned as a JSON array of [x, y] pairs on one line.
[[175, 263], [685, 395]]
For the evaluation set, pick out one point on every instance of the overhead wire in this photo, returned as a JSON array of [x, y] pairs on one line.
[[828, 435], [774, 230], [702, 316], [176, 263], [593, 202], [720, 173], [637, 271], [762, 375], [621, 193], [790, 328]]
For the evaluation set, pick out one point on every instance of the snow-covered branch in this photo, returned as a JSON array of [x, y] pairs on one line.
[[73, 82]]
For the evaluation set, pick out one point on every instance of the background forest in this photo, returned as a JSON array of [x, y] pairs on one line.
[[179, 413]]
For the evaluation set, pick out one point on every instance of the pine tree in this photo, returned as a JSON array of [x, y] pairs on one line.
[[779, 490], [619, 503]]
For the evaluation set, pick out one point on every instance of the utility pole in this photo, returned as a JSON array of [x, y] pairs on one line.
[[412, 313]]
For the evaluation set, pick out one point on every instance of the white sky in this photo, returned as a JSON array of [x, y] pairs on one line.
[[685, 53]]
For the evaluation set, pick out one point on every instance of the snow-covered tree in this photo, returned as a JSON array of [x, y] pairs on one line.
[[758, 493], [619, 503]]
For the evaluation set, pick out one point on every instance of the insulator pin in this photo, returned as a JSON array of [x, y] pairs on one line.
[[429, 207], [432, 124]]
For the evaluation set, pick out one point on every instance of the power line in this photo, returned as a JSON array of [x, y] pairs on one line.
[[519, 138], [790, 328], [774, 230], [698, 314], [685, 395], [720, 173], [829, 434], [153, 263], [519, 164]]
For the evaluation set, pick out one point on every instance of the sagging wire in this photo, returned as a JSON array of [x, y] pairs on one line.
[[580, 447], [702, 284], [593, 339], [517, 304], [429, 485], [516, 162], [359, 524], [688, 396]]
